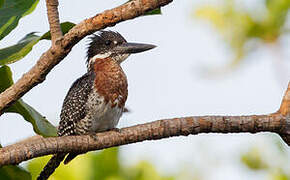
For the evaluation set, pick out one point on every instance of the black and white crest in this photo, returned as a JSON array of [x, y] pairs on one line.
[[103, 42]]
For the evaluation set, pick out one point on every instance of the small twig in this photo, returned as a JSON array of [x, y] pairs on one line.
[[285, 105], [62, 47], [285, 111], [53, 19]]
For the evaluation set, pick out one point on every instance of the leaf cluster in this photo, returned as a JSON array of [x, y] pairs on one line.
[[240, 27], [104, 165], [256, 159]]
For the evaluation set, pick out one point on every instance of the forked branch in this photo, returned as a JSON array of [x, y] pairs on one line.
[[63, 46]]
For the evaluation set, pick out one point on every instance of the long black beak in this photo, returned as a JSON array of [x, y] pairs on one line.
[[130, 48]]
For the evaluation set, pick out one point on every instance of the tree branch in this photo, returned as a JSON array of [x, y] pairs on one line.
[[17, 153], [63, 46], [53, 19], [278, 122]]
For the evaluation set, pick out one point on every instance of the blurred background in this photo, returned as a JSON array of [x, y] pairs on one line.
[[214, 57]]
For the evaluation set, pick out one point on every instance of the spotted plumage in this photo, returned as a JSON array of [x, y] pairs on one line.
[[74, 105], [96, 100]]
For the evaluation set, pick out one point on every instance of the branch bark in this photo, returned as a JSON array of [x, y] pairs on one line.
[[63, 46], [53, 19], [278, 122]]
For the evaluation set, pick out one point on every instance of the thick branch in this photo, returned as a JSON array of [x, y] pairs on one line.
[[19, 152], [53, 19], [63, 46], [278, 122]]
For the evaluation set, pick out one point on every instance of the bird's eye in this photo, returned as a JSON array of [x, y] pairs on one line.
[[108, 42]]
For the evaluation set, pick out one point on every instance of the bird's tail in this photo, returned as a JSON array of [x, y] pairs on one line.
[[50, 167]]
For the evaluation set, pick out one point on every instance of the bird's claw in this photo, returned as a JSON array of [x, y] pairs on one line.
[[94, 136]]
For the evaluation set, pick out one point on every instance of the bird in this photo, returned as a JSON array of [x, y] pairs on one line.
[[96, 100]]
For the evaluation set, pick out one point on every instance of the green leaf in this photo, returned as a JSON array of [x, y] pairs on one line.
[[40, 124], [5, 78], [12, 11], [14, 173], [77, 169], [145, 170], [102, 165], [240, 28], [65, 27], [152, 12], [1, 3], [254, 160], [16, 52], [106, 163]]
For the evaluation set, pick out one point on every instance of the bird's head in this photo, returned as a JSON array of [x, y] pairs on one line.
[[109, 44]]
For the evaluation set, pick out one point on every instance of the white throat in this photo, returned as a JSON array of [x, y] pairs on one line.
[[98, 56], [119, 58]]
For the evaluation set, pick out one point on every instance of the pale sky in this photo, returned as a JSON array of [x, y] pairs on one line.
[[165, 83]]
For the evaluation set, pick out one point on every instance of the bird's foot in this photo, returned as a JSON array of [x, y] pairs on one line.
[[93, 136]]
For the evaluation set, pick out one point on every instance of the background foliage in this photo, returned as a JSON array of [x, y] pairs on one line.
[[104, 165], [245, 30]]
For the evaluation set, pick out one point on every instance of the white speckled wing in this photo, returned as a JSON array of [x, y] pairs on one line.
[[74, 105]]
